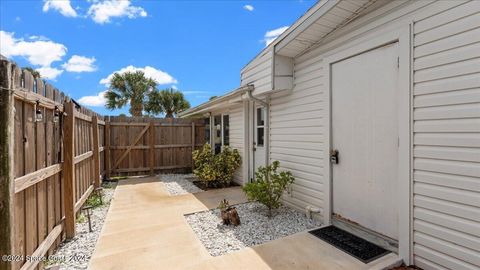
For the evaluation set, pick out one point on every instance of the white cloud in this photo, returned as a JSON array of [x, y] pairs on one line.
[[79, 63], [94, 101], [49, 72], [194, 92], [161, 77], [102, 12], [38, 52], [42, 38], [62, 6], [248, 7], [271, 35]]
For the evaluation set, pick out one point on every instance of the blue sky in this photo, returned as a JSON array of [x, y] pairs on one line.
[[198, 47]]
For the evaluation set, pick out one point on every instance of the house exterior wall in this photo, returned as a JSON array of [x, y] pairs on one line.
[[446, 103], [237, 134], [297, 134], [445, 125], [259, 72]]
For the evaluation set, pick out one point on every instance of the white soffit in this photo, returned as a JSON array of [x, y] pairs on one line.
[[332, 16]]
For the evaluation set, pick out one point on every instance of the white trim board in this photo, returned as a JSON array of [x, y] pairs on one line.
[[372, 41]]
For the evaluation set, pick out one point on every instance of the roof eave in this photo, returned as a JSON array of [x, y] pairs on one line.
[[204, 107]]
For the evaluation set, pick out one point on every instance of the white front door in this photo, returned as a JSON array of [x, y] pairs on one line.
[[259, 137], [365, 133]]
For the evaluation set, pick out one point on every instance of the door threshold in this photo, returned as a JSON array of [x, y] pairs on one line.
[[369, 235]]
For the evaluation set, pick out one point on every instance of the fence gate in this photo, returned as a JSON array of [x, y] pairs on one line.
[[137, 146]]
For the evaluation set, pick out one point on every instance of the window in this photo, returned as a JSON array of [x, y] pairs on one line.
[[226, 130], [260, 117], [260, 138]]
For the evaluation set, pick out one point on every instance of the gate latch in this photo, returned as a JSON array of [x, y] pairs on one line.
[[334, 156]]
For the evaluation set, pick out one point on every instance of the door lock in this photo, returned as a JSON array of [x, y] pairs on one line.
[[334, 156]]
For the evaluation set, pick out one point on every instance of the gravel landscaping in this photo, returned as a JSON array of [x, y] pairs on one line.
[[76, 254], [255, 227], [179, 184]]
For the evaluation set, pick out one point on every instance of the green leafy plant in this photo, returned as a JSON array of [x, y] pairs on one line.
[[226, 163], [216, 170], [167, 101], [80, 218], [94, 200], [203, 162], [268, 186], [129, 88]]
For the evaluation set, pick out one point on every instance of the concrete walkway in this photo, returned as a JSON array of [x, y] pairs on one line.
[[145, 229]]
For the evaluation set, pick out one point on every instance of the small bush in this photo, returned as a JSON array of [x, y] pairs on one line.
[[80, 218], [216, 170], [203, 161], [226, 163], [94, 200], [268, 186]]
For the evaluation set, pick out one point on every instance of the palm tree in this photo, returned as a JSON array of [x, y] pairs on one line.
[[168, 101], [128, 87]]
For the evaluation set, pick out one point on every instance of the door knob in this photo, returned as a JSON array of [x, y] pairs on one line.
[[334, 156]]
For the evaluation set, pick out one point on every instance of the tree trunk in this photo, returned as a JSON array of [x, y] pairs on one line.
[[169, 115], [136, 109]]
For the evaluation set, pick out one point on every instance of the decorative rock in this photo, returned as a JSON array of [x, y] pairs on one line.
[[179, 184], [76, 253], [256, 227]]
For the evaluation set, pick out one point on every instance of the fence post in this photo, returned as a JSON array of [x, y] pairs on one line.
[[69, 169], [193, 141], [152, 147], [7, 193], [107, 147], [96, 153]]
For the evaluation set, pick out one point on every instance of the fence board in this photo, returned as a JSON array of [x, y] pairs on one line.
[[19, 160], [31, 237]]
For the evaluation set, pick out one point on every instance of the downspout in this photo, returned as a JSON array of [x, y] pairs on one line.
[[267, 122]]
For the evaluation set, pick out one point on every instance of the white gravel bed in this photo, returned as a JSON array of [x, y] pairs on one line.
[[76, 254], [179, 184], [255, 227]]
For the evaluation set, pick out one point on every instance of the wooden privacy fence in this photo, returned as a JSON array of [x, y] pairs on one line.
[[137, 145], [50, 156], [53, 154]]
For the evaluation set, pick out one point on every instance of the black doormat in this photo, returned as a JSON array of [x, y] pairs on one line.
[[349, 243]]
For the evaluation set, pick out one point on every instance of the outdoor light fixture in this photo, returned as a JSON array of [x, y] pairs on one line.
[[56, 115], [38, 112]]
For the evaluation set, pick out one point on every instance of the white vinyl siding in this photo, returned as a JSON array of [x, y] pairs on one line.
[[297, 134], [259, 73], [237, 136], [446, 138], [446, 125]]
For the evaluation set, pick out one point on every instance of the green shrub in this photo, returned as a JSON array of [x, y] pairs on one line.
[[216, 170], [268, 186], [226, 163], [94, 200], [203, 162], [80, 218]]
